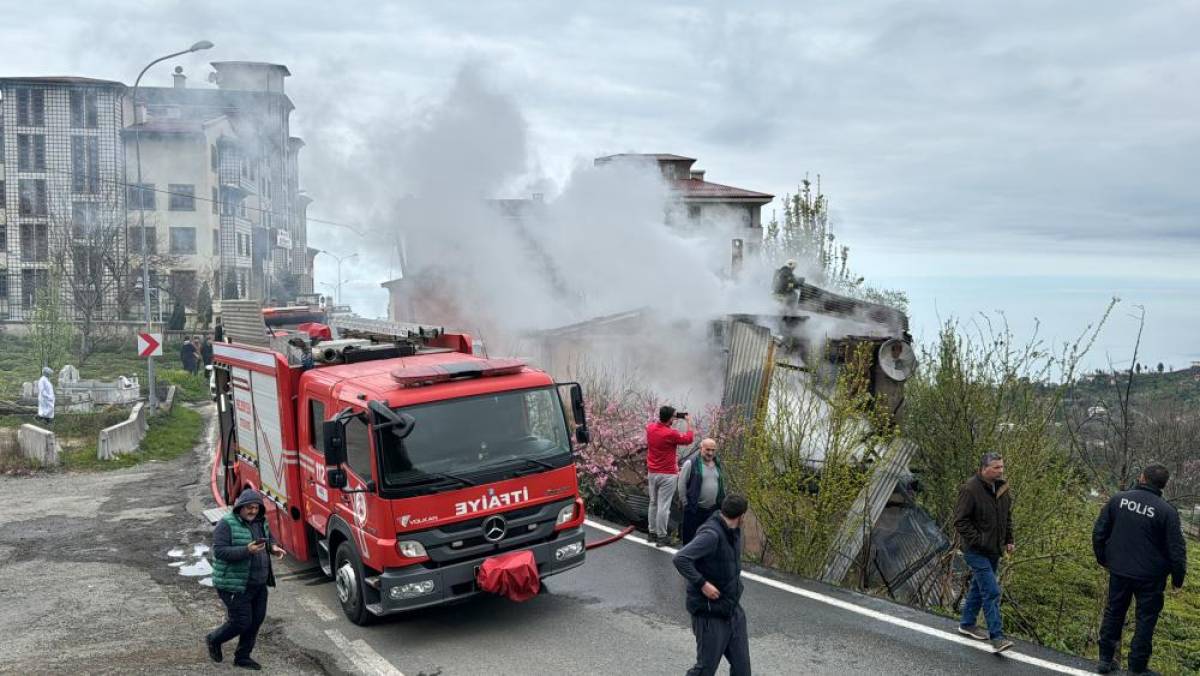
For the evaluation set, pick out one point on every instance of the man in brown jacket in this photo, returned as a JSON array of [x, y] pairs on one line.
[[983, 520]]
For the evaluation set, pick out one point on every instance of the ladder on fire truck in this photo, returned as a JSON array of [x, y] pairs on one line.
[[383, 330], [244, 323]]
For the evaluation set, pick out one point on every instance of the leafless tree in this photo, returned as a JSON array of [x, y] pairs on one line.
[[99, 262]]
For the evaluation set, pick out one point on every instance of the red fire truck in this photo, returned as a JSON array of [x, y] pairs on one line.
[[399, 458]]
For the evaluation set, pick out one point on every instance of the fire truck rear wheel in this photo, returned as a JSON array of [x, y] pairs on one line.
[[348, 579]]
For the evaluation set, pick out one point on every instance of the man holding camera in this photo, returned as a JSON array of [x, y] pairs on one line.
[[662, 470], [242, 546]]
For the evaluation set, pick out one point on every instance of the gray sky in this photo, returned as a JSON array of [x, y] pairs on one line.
[[1031, 158]]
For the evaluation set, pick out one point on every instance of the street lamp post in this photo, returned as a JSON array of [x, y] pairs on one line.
[[339, 270], [137, 144]]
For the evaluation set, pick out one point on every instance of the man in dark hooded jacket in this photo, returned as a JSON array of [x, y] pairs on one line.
[[712, 565], [242, 546], [1137, 537]]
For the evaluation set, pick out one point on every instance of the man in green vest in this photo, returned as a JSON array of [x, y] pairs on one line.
[[242, 572], [701, 489]]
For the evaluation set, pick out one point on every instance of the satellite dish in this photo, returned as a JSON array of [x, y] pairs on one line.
[[897, 360]]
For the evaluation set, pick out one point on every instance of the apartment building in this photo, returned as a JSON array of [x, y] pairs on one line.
[[219, 195], [61, 163]]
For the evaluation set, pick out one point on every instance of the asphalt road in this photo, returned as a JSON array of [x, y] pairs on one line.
[[622, 613]]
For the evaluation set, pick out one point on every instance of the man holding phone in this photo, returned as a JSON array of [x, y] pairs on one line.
[[242, 546], [662, 469]]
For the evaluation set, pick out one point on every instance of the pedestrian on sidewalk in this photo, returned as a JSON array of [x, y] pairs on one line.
[[45, 393], [188, 356], [662, 469], [242, 548], [983, 520], [712, 565], [701, 488], [1138, 538]]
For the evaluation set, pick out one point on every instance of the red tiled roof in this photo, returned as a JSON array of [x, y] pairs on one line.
[[652, 156], [692, 187]]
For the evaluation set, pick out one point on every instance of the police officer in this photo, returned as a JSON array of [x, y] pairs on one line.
[[1137, 537]]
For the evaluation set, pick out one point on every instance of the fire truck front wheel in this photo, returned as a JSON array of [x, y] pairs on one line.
[[351, 589]]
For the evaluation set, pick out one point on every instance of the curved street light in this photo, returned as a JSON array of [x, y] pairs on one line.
[[137, 142], [339, 270]]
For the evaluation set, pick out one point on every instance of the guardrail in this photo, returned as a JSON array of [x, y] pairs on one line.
[[126, 436]]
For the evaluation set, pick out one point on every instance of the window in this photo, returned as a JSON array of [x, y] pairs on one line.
[[3, 198], [213, 153], [34, 242], [358, 449], [84, 217], [4, 287], [694, 212], [216, 241], [183, 240], [84, 112], [32, 281], [31, 152], [31, 193], [85, 164], [504, 431], [89, 269], [135, 239], [183, 197], [141, 196], [215, 200], [31, 108], [316, 419]]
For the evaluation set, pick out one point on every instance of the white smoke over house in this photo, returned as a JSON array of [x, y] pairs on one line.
[[597, 247]]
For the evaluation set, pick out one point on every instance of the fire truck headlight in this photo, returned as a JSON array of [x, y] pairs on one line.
[[566, 514], [409, 590], [568, 551], [411, 549]]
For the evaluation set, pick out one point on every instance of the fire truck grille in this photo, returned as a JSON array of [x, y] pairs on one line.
[[466, 540]]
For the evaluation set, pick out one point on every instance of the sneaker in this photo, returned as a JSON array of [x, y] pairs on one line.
[[1106, 666], [667, 541], [652, 538], [247, 663], [1001, 644], [974, 632], [214, 650]]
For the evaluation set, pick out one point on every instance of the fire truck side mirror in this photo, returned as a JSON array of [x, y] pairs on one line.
[[334, 433], [579, 412]]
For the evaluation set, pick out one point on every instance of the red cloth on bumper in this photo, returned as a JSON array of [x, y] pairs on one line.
[[514, 575]]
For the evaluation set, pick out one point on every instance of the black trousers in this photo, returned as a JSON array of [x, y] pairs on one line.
[[692, 519], [244, 615], [717, 637], [1149, 595]]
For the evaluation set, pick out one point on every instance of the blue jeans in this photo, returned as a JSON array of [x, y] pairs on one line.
[[985, 593]]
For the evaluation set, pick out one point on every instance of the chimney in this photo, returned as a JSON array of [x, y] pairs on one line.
[[697, 174], [180, 78]]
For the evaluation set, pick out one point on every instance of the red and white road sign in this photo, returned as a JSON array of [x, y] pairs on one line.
[[149, 344]]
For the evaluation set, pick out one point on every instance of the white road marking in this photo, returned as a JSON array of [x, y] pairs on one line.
[[364, 657], [868, 612], [317, 608]]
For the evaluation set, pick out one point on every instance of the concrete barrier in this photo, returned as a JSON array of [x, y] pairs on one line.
[[165, 405], [38, 445], [124, 437]]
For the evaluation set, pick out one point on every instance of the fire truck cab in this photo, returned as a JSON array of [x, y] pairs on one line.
[[401, 466]]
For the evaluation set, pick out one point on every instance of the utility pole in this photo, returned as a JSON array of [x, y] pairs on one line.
[[137, 143]]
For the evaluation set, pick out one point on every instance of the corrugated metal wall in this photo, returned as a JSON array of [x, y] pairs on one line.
[[748, 371]]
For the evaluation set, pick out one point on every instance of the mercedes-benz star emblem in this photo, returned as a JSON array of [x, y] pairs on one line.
[[494, 528]]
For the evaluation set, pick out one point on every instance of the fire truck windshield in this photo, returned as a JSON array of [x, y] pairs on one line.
[[498, 433]]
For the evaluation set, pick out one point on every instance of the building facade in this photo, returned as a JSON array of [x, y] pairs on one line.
[[220, 193], [61, 162]]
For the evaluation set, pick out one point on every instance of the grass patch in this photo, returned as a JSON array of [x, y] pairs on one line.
[[188, 387], [170, 436]]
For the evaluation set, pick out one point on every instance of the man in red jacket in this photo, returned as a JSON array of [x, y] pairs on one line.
[[662, 469]]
